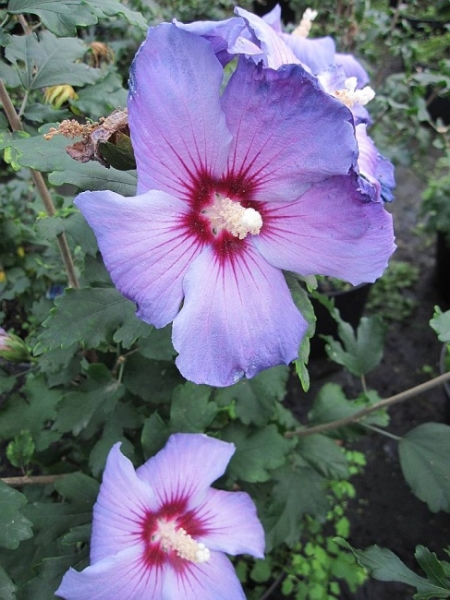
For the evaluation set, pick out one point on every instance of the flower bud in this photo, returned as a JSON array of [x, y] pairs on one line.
[[12, 348]]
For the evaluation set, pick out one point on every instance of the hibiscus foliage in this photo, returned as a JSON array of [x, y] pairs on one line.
[[80, 372]]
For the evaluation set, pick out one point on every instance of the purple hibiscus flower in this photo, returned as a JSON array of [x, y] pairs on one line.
[[233, 188], [161, 532]]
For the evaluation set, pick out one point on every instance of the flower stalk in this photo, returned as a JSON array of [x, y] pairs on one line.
[[405, 395], [38, 179]]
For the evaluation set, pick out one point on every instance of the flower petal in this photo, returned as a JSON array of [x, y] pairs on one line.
[[275, 52], [176, 122], [122, 576], [220, 34], [144, 246], [122, 503], [315, 53], [185, 468], [238, 318], [378, 170], [352, 68], [288, 133], [213, 580], [330, 230], [232, 523]]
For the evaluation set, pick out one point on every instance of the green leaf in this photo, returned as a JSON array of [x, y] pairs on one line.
[[433, 568], [102, 98], [441, 324], [256, 398], [31, 410], [155, 434], [59, 16], [74, 224], [7, 587], [153, 381], [14, 526], [157, 344], [78, 489], [99, 392], [324, 455], [94, 176], [46, 60], [304, 305], [257, 452], [20, 450], [384, 565], [424, 453], [297, 491], [111, 8], [362, 352], [89, 315], [191, 411]]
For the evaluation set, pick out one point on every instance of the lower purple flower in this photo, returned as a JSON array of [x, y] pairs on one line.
[[161, 532]]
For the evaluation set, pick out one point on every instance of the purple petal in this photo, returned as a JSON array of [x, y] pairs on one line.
[[287, 132], [177, 126], [331, 230], [212, 580], [378, 170], [273, 18], [352, 68], [145, 248], [220, 34], [275, 51], [318, 54], [121, 505], [186, 467], [232, 523], [122, 576], [238, 318]]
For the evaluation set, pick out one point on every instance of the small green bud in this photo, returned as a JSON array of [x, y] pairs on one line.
[[12, 348]]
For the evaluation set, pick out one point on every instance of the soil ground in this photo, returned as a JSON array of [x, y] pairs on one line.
[[386, 513]]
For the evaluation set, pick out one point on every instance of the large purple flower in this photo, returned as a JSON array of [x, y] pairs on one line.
[[233, 188], [161, 532]]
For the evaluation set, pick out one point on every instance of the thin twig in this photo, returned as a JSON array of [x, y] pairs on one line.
[[31, 480], [405, 395], [16, 125]]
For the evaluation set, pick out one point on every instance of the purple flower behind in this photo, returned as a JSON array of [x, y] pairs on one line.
[[232, 189], [161, 532]]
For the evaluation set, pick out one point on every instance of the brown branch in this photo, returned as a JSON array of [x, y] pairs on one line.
[[16, 125], [405, 395], [31, 480]]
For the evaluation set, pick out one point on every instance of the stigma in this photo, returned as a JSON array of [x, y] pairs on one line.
[[178, 540], [229, 215]]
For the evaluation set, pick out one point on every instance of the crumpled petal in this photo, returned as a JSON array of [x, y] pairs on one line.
[[145, 247], [352, 68], [273, 18], [121, 505], [232, 524], [377, 169], [238, 318], [122, 576], [220, 34], [287, 132], [186, 467], [177, 126], [333, 229], [212, 580], [275, 52]]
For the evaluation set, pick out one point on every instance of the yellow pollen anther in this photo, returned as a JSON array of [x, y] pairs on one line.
[[230, 215], [181, 542], [351, 96]]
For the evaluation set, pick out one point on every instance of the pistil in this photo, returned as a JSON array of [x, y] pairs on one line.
[[178, 540], [230, 215]]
